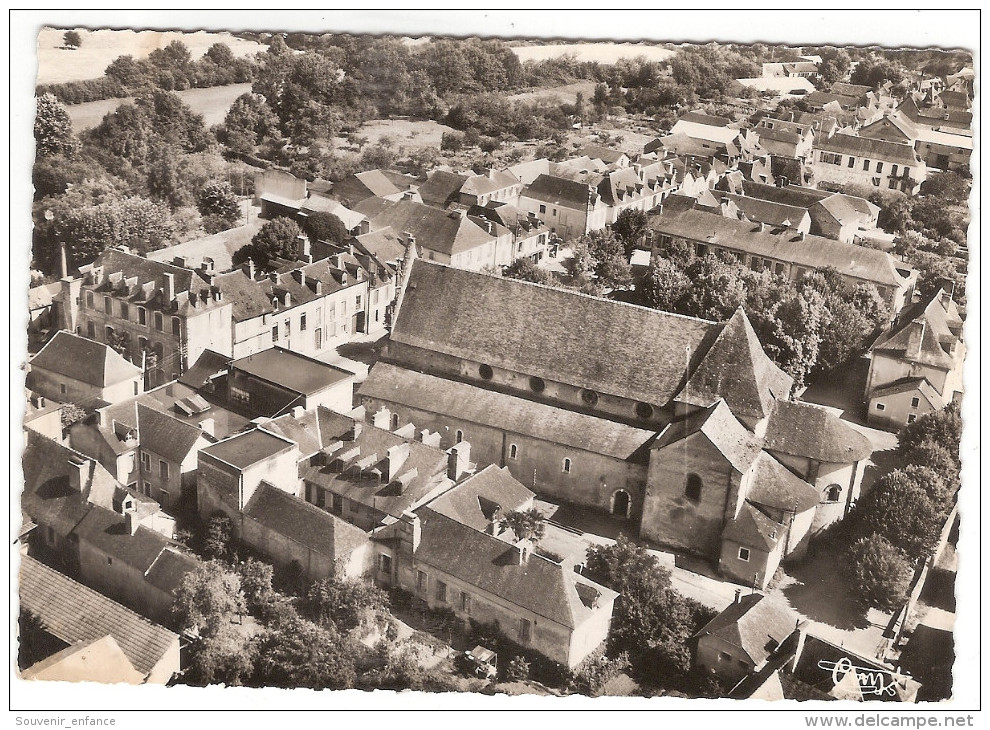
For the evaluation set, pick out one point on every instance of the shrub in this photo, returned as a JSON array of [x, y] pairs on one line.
[[879, 572], [517, 670]]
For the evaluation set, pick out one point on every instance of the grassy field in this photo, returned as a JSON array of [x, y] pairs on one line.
[[212, 103], [607, 53], [100, 47], [563, 94], [405, 132]]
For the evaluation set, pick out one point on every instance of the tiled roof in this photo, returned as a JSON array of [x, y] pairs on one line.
[[538, 585], [765, 211], [506, 412], [291, 370], [737, 369], [166, 436], [107, 531], [489, 183], [873, 149], [780, 135], [717, 423], [74, 613], [638, 353], [473, 501], [169, 570], [250, 447], [775, 486], [604, 154], [752, 528], [220, 247], [442, 187], [84, 360], [303, 523], [423, 470], [792, 195], [527, 172], [814, 252], [936, 116], [384, 244], [303, 429], [911, 385], [709, 133], [561, 191], [848, 208], [802, 429], [447, 232], [850, 89], [756, 623]]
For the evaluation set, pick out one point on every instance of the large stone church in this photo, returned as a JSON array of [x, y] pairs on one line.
[[680, 426]]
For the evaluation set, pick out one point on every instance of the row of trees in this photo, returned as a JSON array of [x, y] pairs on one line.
[[171, 68], [896, 527]]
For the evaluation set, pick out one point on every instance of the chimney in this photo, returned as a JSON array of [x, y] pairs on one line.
[[491, 173], [395, 457], [382, 418], [298, 412], [430, 439], [64, 260], [458, 460], [355, 431], [168, 286], [179, 261], [520, 552], [948, 289], [208, 265], [801, 235], [408, 195], [364, 226], [489, 226], [208, 425], [763, 227], [250, 271], [300, 276], [131, 521], [78, 471]]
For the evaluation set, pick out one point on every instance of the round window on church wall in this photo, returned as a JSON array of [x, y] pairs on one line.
[[644, 410], [485, 371], [589, 397], [537, 385]]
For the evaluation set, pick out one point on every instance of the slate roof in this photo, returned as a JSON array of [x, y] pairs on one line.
[[791, 195], [446, 232], [168, 437], [873, 149], [780, 135], [474, 501], [303, 522], [384, 244], [814, 252], [756, 623], [423, 470], [765, 211], [555, 190], [638, 353], [775, 486], [220, 247], [850, 89], [487, 183], [506, 412], [752, 528], [606, 155], [956, 99], [291, 370], [936, 116], [107, 532], [304, 430], [84, 360], [74, 613], [922, 334], [802, 429], [247, 448], [734, 442], [737, 369], [538, 585]]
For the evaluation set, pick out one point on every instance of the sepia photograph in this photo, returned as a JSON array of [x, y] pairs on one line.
[[463, 361]]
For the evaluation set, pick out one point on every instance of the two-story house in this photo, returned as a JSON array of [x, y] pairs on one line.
[[846, 159], [75, 369]]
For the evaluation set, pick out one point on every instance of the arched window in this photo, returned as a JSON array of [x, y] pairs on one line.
[[458, 436], [395, 421], [513, 451], [832, 493], [693, 488], [566, 467]]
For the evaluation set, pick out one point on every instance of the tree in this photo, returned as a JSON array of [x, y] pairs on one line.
[[220, 54], [344, 603], [71, 39], [630, 226], [879, 572], [901, 508], [940, 427], [256, 583], [949, 185], [71, 413], [218, 206], [209, 599], [380, 155], [224, 657], [276, 239], [452, 141], [218, 537], [322, 226], [137, 222], [664, 285], [249, 123], [525, 269], [53, 128], [299, 653], [529, 525], [834, 66], [651, 621]]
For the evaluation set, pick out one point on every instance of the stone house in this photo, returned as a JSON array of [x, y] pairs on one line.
[[74, 369], [168, 457], [845, 159]]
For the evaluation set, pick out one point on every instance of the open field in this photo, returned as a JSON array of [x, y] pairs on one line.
[[561, 94], [408, 133], [213, 103], [602, 52], [100, 47]]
